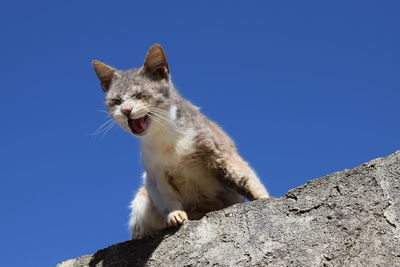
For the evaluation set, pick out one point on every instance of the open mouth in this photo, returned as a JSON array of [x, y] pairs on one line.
[[139, 126]]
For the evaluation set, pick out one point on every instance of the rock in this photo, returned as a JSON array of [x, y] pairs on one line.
[[349, 218]]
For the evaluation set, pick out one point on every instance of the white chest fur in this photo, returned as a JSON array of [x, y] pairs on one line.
[[166, 149], [164, 160]]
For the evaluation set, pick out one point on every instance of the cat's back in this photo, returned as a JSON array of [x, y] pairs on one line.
[[209, 136]]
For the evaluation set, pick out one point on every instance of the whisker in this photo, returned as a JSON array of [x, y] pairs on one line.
[[171, 127], [160, 123], [170, 121], [108, 129], [160, 111], [103, 126], [141, 110], [165, 118], [162, 115], [103, 111]]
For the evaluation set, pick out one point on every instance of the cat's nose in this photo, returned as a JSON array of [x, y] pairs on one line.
[[126, 111]]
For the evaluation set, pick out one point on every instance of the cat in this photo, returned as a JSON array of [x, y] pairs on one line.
[[191, 165]]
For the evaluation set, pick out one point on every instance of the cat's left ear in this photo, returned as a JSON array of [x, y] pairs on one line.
[[105, 74], [156, 62]]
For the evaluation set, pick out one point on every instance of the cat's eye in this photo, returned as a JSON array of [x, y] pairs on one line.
[[116, 101], [138, 95]]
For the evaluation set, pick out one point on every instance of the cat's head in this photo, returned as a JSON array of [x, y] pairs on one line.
[[136, 97]]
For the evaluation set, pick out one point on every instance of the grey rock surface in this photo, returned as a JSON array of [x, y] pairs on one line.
[[349, 218]]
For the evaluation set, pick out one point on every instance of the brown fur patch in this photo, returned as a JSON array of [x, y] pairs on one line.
[[170, 180]]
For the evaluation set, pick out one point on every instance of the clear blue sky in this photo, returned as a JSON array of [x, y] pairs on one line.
[[306, 88]]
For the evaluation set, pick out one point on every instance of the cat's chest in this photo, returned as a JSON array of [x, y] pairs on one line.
[[182, 168], [156, 161], [162, 156]]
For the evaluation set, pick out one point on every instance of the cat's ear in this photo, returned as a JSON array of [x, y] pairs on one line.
[[156, 62], [104, 72]]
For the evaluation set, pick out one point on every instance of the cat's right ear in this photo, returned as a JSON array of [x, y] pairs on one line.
[[105, 74]]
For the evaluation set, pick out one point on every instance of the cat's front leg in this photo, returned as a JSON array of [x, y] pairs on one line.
[[166, 199], [233, 170]]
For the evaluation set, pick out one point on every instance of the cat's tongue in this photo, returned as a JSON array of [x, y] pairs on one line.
[[138, 126]]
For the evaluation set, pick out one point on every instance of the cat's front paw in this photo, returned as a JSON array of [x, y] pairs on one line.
[[176, 218]]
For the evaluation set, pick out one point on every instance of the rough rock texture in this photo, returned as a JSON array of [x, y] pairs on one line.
[[349, 218]]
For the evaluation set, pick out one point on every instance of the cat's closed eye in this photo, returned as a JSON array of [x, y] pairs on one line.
[[116, 101], [141, 96]]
